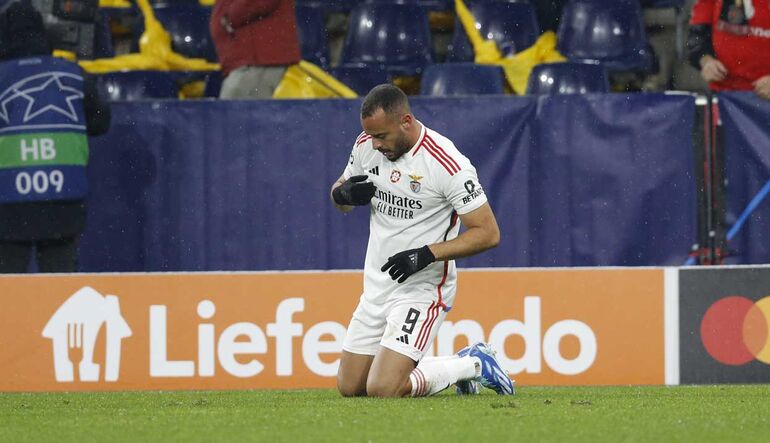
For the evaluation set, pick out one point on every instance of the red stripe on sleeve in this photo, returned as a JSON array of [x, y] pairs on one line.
[[441, 150], [438, 158]]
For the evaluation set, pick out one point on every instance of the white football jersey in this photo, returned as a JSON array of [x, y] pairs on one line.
[[417, 202]]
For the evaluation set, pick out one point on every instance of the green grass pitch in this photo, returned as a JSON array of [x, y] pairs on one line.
[[560, 414]]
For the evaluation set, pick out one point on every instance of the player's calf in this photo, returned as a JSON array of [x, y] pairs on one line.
[[388, 390]]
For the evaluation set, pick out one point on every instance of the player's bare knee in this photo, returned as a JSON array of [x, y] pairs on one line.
[[347, 389]]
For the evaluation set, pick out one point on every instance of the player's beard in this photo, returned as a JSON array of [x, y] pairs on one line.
[[401, 147]]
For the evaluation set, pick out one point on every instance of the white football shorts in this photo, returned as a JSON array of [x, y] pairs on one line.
[[404, 325]]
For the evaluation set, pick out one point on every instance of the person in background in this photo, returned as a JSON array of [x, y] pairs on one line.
[[256, 41], [729, 42], [47, 108]]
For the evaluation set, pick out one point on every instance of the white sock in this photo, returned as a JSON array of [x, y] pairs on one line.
[[434, 374]]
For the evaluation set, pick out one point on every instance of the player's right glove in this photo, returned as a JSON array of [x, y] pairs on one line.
[[406, 263], [354, 191]]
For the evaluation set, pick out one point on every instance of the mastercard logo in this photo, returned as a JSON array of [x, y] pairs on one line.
[[735, 330]]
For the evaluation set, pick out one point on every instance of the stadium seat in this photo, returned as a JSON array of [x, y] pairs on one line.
[[567, 78], [331, 5], [312, 34], [512, 25], [138, 85], [662, 4], [361, 79], [347, 5], [103, 37], [610, 32], [394, 37], [213, 84], [188, 24], [451, 79], [438, 5], [153, 3]]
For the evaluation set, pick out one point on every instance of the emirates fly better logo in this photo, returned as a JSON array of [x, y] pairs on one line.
[[734, 330]]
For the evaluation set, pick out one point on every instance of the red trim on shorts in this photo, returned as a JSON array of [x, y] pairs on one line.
[[433, 313], [425, 328]]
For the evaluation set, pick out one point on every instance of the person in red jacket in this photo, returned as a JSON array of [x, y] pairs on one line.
[[729, 42], [256, 40]]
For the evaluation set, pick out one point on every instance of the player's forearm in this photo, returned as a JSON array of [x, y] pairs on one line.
[[471, 242]]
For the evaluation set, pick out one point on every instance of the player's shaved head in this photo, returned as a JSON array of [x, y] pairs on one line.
[[389, 98]]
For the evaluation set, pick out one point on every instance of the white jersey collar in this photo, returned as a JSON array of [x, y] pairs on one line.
[[423, 132]]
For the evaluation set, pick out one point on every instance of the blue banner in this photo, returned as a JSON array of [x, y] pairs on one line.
[[746, 125], [613, 181], [244, 185]]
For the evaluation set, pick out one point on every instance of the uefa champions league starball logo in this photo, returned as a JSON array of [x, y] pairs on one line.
[[39, 95]]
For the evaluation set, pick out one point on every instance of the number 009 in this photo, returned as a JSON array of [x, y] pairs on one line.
[[39, 182]]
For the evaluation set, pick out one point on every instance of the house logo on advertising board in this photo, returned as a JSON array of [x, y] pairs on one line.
[[73, 330]]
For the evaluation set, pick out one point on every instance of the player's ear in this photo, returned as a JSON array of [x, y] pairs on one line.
[[406, 120]]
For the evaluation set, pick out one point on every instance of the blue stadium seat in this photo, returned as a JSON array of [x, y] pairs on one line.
[[188, 24], [394, 37], [438, 5], [348, 5], [610, 32], [662, 4], [213, 84], [138, 85], [103, 37], [153, 3], [361, 79], [449, 79], [567, 78], [513, 25], [312, 34], [331, 5]]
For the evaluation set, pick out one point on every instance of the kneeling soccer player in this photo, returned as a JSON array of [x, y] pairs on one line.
[[417, 185]]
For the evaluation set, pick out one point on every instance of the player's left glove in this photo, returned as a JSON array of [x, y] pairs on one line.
[[406, 263]]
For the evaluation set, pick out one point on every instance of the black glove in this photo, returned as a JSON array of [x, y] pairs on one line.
[[408, 262], [354, 193]]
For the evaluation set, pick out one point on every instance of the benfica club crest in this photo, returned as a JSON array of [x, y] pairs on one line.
[[415, 183]]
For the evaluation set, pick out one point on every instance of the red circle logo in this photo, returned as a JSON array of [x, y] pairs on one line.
[[735, 329]]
